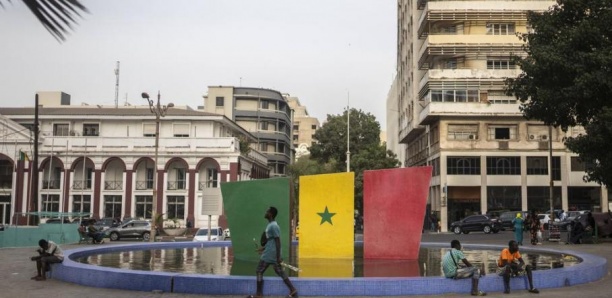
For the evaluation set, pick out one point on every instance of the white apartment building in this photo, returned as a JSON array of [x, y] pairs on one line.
[[450, 112], [304, 127], [100, 160]]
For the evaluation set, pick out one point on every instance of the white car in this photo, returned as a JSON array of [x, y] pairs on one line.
[[216, 234], [545, 219]]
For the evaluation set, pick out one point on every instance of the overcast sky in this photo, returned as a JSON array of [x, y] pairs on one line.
[[322, 51]]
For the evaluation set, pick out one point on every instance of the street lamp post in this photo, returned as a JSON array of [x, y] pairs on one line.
[[159, 111]]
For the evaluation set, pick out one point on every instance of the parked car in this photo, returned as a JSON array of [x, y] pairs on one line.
[[474, 223], [130, 229], [545, 220], [565, 225], [216, 234], [505, 219]]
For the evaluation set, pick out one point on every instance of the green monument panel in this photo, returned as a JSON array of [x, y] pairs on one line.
[[245, 204]]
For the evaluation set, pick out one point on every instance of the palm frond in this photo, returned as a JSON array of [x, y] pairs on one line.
[[57, 16]]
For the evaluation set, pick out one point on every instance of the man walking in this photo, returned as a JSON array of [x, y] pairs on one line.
[[271, 255], [452, 269]]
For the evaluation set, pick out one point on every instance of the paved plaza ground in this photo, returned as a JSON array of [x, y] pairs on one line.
[[17, 270]]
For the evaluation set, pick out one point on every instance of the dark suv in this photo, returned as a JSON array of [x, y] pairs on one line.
[[476, 223]]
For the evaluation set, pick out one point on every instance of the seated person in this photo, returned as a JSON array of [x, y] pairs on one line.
[[48, 253], [96, 235], [451, 267], [511, 264]]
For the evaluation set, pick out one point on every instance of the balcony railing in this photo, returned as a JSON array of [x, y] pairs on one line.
[[113, 185], [174, 185], [141, 185], [81, 185], [210, 184], [51, 184]]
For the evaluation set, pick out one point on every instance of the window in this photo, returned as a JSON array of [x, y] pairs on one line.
[[176, 207], [500, 64], [463, 165], [181, 130], [313, 127], [211, 178], [263, 125], [265, 104], [112, 206], [556, 168], [219, 101], [578, 165], [281, 148], [50, 203], [502, 132], [296, 127], [180, 178], [91, 130], [263, 147], [61, 130], [81, 203], [449, 64], [295, 137], [461, 95], [500, 29], [537, 165], [504, 197], [462, 132], [144, 206], [148, 129], [503, 165], [149, 178]]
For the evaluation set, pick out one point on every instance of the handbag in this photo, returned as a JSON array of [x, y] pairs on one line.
[[539, 234]]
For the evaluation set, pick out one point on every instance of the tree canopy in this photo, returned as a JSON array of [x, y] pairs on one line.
[[367, 152], [566, 77]]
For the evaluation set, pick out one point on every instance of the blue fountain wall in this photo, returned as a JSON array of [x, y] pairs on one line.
[[591, 268]]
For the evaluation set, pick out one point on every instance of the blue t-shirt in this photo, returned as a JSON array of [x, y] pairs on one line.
[[272, 232]]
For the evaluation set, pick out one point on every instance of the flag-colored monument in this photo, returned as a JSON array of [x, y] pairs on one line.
[[326, 214], [394, 204]]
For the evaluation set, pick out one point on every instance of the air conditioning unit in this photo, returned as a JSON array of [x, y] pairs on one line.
[[532, 137], [472, 137], [544, 137]]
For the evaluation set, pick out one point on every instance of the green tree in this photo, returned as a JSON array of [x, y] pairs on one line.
[[367, 153], [57, 16], [566, 77]]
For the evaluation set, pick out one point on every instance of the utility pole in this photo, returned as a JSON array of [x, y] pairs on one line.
[[348, 132], [34, 168], [117, 86]]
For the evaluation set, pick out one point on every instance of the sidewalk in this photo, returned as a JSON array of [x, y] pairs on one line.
[[17, 270]]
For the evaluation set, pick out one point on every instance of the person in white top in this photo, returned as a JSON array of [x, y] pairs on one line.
[[48, 253]]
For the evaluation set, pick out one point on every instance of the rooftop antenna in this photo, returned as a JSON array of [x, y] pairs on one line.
[[117, 86]]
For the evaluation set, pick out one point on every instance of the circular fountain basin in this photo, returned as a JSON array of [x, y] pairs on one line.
[[590, 268]]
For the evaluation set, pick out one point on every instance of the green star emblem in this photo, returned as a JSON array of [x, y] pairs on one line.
[[326, 216]]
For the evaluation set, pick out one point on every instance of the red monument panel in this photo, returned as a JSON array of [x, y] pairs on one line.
[[393, 211]]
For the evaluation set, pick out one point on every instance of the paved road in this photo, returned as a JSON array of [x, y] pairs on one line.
[[16, 270]]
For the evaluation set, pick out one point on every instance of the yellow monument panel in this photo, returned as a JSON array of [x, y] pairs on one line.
[[327, 205]]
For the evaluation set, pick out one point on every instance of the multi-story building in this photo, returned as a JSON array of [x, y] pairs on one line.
[[100, 160], [304, 127], [264, 113], [453, 114]]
